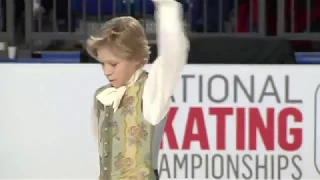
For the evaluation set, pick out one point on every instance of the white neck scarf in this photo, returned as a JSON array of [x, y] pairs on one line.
[[114, 95]]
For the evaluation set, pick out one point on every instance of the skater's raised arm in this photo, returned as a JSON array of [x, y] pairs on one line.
[[173, 48]]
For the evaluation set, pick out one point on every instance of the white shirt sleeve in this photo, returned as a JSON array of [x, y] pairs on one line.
[[173, 48]]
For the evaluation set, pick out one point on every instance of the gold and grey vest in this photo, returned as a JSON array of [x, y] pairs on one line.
[[125, 137]]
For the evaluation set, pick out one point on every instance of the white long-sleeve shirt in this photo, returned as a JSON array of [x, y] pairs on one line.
[[165, 72], [173, 47]]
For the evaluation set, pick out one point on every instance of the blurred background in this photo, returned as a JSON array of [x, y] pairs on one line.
[[256, 31]]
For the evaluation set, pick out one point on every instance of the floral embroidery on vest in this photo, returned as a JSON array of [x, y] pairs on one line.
[[139, 176], [127, 139], [128, 103], [122, 163], [114, 124], [137, 134]]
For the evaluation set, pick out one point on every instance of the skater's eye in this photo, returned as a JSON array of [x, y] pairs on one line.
[[113, 64]]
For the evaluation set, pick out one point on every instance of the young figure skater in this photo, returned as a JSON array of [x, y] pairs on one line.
[[130, 113]]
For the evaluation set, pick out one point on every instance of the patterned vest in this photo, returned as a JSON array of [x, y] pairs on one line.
[[125, 138]]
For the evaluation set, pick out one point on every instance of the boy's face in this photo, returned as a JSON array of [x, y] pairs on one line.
[[117, 70]]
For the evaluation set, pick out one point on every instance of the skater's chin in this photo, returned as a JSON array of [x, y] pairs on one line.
[[115, 84]]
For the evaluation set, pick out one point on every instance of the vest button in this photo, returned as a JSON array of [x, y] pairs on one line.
[[106, 129], [105, 154], [105, 168], [106, 143]]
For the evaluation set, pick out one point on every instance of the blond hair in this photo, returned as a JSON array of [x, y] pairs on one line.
[[125, 37]]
